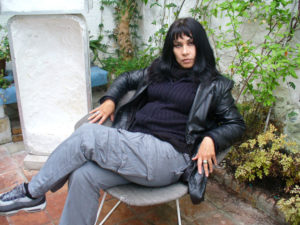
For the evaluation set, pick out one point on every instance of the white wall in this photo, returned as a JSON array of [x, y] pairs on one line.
[[42, 6]]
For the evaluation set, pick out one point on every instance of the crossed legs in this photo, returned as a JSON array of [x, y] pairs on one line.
[[96, 157]]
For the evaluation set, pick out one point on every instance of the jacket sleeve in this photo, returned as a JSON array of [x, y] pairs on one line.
[[125, 82], [231, 125]]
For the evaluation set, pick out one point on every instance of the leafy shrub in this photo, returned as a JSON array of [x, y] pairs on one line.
[[291, 206], [254, 114], [267, 160], [4, 83], [259, 65], [117, 65], [267, 156]]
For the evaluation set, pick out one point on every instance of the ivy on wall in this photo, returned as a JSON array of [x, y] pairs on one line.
[[258, 64]]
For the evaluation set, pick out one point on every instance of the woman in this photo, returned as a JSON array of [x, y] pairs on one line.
[[182, 110]]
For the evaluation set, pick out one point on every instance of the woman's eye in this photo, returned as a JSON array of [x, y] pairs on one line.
[[191, 43], [177, 46]]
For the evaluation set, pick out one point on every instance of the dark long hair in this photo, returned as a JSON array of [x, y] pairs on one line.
[[166, 66]]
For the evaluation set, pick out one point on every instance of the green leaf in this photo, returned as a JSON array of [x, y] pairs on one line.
[[171, 5], [214, 12], [292, 85], [292, 72], [155, 4], [292, 114], [234, 5]]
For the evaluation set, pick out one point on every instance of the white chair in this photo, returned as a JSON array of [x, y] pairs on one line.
[[137, 195]]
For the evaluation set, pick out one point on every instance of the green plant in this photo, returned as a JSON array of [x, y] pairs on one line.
[[291, 206], [4, 83], [268, 155], [96, 46], [156, 40], [117, 65], [273, 163], [4, 45], [126, 16], [126, 35], [254, 114], [262, 65]]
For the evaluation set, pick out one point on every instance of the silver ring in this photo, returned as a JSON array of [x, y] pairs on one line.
[[97, 112], [204, 161]]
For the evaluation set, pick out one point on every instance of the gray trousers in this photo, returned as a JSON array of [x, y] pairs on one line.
[[96, 157]]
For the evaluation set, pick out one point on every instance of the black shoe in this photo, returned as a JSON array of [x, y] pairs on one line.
[[16, 200]]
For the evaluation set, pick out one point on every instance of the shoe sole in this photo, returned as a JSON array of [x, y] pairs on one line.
[[36, 208]]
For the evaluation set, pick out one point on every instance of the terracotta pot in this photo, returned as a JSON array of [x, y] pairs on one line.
[[2, 65]]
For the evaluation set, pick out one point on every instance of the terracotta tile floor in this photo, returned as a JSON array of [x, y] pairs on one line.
[[226, 209]]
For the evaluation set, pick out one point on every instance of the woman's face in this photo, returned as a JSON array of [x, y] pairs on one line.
[[184, 51]]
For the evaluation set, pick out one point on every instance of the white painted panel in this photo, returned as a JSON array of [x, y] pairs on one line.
[[42, 6], [51, 71]]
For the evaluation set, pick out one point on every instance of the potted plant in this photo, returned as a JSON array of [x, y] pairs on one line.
[[4, 49]]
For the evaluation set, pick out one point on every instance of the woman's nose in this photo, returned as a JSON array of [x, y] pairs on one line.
[[185, 50]]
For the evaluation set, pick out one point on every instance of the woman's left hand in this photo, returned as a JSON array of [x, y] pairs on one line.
[[102, 112], [206, 155]]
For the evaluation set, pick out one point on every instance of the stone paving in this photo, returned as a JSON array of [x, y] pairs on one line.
[[221, 206]]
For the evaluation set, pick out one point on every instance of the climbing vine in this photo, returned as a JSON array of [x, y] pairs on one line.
[[126, 15], [260, 65], [129, 55]]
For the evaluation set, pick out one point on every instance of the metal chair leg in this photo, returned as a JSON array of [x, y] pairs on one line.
[[100, 207], [178, 211], [110, 212], [118, 203]]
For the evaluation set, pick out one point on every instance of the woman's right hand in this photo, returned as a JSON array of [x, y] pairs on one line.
[[102, 112]]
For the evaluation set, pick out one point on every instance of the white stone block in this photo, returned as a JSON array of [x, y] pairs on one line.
[[51, 69], [43, 6]]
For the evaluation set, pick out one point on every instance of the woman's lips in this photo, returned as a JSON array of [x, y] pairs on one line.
[[187, 61]]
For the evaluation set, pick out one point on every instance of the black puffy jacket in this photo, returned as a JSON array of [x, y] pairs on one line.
[[212, 114]]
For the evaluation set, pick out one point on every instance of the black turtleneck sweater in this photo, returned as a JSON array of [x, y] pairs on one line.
[[166, 111]]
